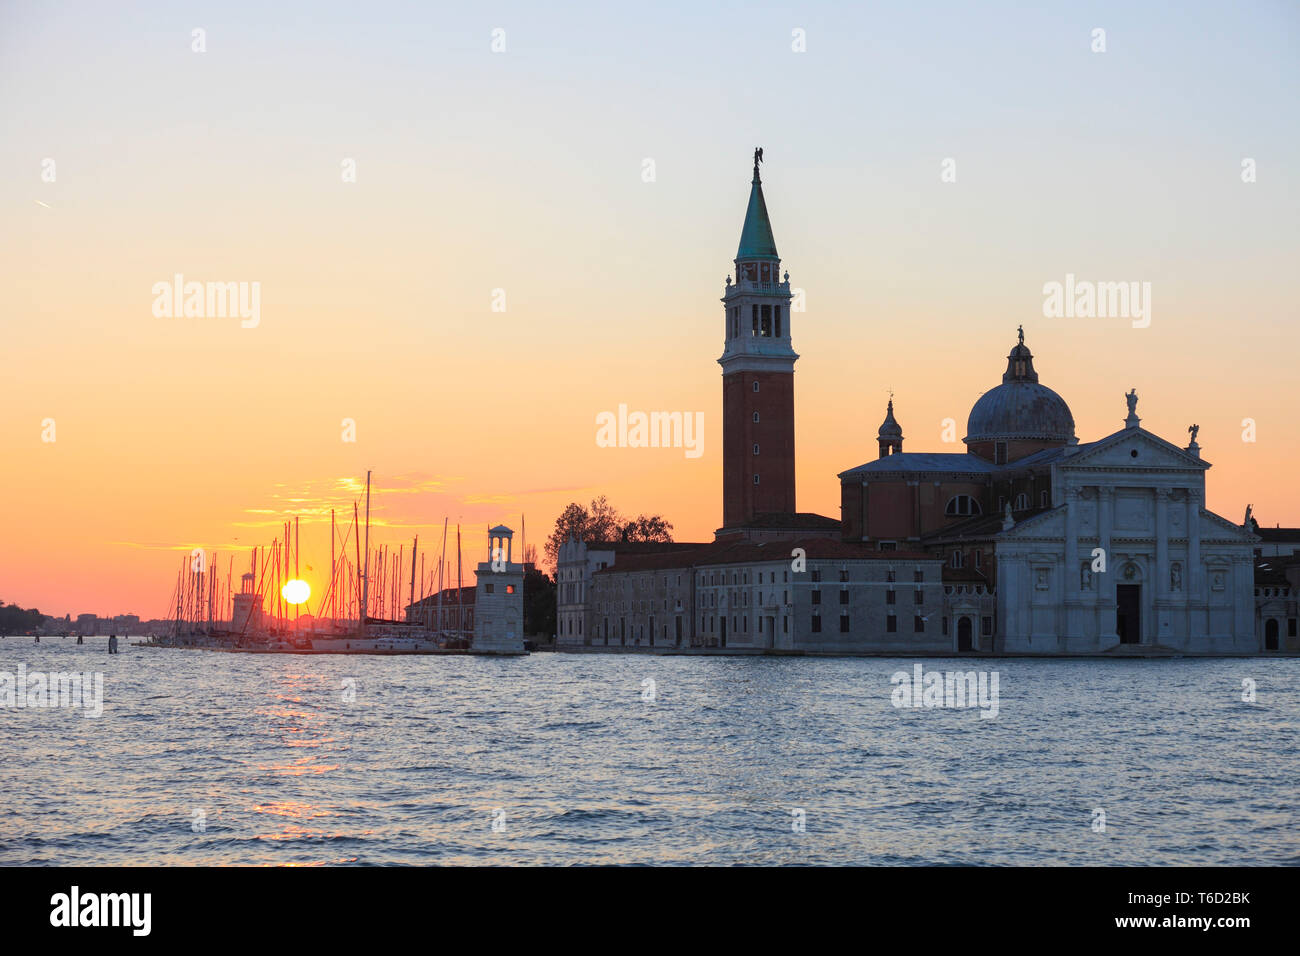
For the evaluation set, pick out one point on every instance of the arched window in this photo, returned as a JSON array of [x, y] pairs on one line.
[[756, 418], [755, 448], [1021, 502], [962, 505], [756, 386]]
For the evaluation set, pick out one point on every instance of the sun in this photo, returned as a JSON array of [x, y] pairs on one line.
[[296, 591]]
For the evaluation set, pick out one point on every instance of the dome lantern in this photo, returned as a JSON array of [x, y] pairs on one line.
[[890, 435]]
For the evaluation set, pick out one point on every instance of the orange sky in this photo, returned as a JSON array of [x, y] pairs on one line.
[[516, 172]]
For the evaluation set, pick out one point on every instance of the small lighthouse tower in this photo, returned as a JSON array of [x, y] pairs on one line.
[[246, 616], [499, 598]]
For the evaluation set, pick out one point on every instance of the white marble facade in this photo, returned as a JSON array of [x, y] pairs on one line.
[[1177, 577]]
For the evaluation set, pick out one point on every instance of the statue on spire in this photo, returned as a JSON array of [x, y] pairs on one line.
[[758, 155]]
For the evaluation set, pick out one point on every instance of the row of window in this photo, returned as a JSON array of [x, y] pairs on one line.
[[711, 578], [960, 506], [740, 625], [958, 559], [711, 600], [891, 596]]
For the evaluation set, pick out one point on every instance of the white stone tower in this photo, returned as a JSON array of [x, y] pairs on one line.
[[499, 598]]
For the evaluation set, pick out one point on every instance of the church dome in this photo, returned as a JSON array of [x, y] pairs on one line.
[[1020, 408]]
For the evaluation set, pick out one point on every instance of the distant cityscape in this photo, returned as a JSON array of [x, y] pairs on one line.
[[32, 622]]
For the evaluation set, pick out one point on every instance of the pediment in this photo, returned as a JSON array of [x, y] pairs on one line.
[[1117, 451], [1218, 526]]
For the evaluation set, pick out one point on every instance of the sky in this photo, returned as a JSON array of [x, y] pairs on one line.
[[546, 201]]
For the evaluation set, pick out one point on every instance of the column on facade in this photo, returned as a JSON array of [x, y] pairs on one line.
[[1194, 577], [1071, 570], [1105, 582], [1027, 593], [1162, 543]]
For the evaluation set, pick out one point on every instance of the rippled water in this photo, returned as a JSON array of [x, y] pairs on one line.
[[286, 770]]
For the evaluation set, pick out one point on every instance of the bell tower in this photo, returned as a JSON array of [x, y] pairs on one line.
[[757, 375]]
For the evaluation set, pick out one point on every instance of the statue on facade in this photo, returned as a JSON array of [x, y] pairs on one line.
[[1176, 578], [1132, 398], [1193, 430]]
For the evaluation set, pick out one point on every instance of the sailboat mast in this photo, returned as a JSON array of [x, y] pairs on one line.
[[356, 569], [415, 547], [441, 561], [365, 577]]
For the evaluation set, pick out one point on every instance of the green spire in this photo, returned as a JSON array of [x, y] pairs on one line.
[[756, 240]]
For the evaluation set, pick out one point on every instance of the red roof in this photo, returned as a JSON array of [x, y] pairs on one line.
[[787, 521], [643, 547]]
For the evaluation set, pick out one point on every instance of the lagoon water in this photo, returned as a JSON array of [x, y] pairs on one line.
[[210, 759]]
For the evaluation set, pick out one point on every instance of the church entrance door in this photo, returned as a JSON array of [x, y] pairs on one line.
[[1128, 613], [963, 635]]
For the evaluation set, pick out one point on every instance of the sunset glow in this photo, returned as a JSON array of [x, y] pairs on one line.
[[382, 342], [296, 592]]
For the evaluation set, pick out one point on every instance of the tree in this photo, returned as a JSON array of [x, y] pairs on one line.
[[602, 522], [17, 620], [648, 528]]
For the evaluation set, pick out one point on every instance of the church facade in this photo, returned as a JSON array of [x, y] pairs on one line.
[[1101, 547]]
